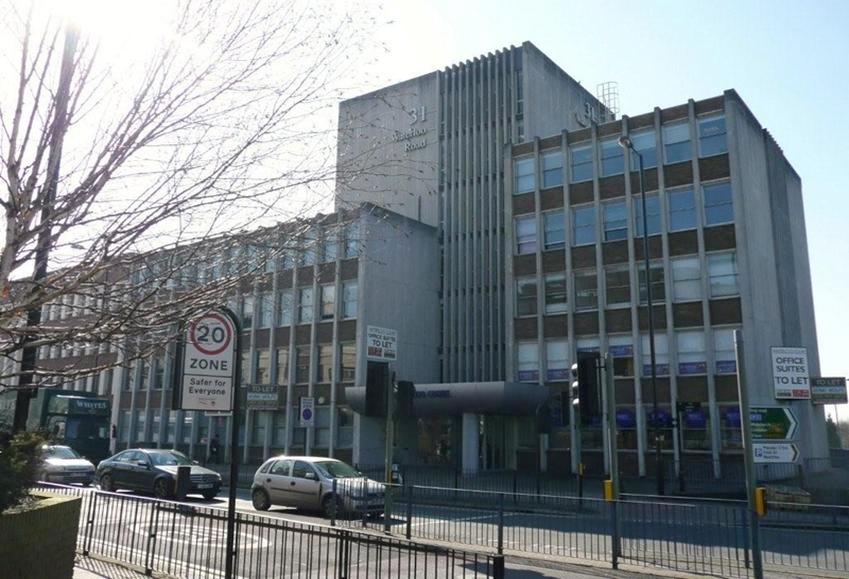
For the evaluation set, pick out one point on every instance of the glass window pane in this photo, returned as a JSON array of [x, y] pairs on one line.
[[657, 283], [682, 210], [686, 278], [552, 169], [652, 214], [527, 354], [583, 225], [555, 293], [557, 359], [615, 221], [586, 291], [305, 305], [612, 157], [284, 308], [526, 235], [676, 142], [719, 206], [618, 286], [349, 299], [555, 229], [523, 175], [644, 142], [581, 163], [712, 136], [526, 296], [722, 273]]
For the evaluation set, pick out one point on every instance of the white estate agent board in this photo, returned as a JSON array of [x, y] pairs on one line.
[[381, 343], [790, 374], [209, 363]]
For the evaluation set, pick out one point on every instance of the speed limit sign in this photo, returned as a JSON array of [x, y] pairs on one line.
[[209, 363]]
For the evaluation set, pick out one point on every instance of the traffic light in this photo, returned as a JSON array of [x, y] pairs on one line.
[[584, 389], [405, 391], [377, 382]]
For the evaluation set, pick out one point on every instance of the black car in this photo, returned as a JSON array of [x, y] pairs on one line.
[[155, 470]]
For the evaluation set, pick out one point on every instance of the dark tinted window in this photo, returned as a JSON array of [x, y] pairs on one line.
[[301, 469], [281, 467]]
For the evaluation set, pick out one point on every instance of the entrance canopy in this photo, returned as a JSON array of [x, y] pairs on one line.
[[456, 398]]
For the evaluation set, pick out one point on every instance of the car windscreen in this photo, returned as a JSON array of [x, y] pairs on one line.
[[60, 452], [335, 469], [168, 459]]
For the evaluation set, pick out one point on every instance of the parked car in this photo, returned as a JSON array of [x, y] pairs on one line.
[[155, 470], [306, 482], [63, 464]]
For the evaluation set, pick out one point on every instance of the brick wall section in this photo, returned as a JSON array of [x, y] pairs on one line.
[[25, 551]]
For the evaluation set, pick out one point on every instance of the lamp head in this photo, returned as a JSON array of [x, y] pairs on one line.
[[625, 142]]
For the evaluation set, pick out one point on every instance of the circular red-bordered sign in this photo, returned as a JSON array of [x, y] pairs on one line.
[[217, 348]]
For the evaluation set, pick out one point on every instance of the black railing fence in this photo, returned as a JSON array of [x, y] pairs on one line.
[[189, 541], [707, 536]]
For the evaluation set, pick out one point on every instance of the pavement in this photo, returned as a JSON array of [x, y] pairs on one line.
[[91, 568]]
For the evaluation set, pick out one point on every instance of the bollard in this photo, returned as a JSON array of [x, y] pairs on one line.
[[409, 530], [501, 523], [181, 486], [498, 567], [334, 500]]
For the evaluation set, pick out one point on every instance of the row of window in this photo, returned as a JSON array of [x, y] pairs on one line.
[[344, 428], [256, 257], [686, 273], [676, 146], [690, 350], [260, 310], [681, 215]]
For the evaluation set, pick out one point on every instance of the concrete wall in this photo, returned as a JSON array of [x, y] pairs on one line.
[[553, 99], [388, 149], [399, 289], [775, 281]]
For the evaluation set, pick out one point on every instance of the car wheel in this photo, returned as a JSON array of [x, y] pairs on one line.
[[330, 504], [260, 500], [209, 495], [106, 483], [161, 488]]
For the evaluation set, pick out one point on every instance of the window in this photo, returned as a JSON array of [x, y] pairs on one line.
[[612, 157], [526, 296], [555, 293], [285, 261], [186, 428], [141, 415], [158, 372], [284, 308], [265, 305], [658, 293], [523, 175], [555, 229], [344, 427], [348, 361], [278, 426], [652, 214], [682, 210], [583, 225], [302, 364], [331, 246], [691, 352], [258, 429], [324, 368], [617, 285], [328, 301], [723, 351], [581, 163], [712, 136], [144, 375], [352, 240], [305, 305], [615, 221], [247, 312], [247, 366], [552, 169], [262, 369], [557, 359], [676, 142], [686, 278], [308, 243], [322, 427], [644, 142], [282, 366], [124, 431], [722, 273], [527, 354], [621, 349], [586, 291], [661, 354], [719, 207], [349, 299], [526, 234]]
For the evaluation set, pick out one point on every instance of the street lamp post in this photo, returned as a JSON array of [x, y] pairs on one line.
[[626, 143]]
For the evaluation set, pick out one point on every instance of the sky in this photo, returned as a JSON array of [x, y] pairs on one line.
[[789, 61]]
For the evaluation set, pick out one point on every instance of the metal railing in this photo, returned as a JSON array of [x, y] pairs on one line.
[[707, 536], [188, 541]]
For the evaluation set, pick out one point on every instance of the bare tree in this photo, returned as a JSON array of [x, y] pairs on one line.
[[118, 169]]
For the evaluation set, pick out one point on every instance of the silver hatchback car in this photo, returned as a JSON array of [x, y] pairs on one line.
[[307, 482]]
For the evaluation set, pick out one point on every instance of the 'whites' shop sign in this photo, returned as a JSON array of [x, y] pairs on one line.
[[790, 374], [209, 363]]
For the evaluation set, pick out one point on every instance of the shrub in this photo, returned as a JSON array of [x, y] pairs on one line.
[[20, 460]]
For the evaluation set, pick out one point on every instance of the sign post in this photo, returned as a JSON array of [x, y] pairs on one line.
[[211, 368]]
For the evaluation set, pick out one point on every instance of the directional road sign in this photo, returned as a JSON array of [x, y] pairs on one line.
[[773, 423], [772, 452], [209, 363]]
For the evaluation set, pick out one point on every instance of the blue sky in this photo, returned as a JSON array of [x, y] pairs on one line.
[[788, 60]]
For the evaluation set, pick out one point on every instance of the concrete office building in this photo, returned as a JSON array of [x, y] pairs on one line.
[[728, 251], [487, 214]]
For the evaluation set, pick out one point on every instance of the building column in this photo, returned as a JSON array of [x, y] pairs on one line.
[[470, 430]]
